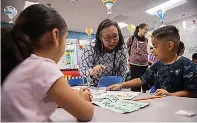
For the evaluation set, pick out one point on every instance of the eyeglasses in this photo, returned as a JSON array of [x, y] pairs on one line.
[[108, 39]]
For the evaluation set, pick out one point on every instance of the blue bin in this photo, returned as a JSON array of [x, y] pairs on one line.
[[109, 80], [76, 82]]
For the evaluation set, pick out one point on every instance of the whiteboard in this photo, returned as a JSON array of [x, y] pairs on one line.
[[189, 37]]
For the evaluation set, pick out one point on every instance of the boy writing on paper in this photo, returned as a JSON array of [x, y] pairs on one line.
[[173, 75]]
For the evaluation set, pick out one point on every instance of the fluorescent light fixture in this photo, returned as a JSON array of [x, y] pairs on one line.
[[170, 4], [184, 25], [122, 25], [28, 3]]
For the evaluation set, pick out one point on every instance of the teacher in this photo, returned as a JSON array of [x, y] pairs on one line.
[[108, 57]]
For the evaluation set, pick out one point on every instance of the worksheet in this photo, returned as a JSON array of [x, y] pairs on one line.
[[118, 105], [119, 94], [116, 101], [96, 93]]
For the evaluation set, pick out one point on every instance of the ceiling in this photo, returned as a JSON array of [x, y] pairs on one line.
[[89, 13]]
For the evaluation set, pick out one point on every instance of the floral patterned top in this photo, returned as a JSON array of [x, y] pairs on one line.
[[139, 53]]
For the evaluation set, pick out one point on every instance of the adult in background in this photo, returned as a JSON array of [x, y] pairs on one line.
[[152, 57], [138, 54], [181, 49], [194, 58]]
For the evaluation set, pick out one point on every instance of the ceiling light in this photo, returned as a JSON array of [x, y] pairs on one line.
[[170, 4], [184, 25], [122, 25]]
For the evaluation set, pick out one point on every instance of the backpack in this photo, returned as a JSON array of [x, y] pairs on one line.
[[129, 43]]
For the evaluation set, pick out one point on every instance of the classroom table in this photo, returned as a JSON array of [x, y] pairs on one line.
[[159, 110]]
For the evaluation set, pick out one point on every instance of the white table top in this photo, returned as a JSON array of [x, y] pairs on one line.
[[159, 110]]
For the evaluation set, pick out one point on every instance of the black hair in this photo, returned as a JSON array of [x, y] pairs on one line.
[[104, 24], [167, 33], [20, 41], [181, 47], [141, 26], [194, 56]]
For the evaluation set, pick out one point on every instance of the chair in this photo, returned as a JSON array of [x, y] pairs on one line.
[[77, 81], [109, 80]]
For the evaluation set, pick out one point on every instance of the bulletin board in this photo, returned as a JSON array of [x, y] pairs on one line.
[[69, 59], [72, 56]]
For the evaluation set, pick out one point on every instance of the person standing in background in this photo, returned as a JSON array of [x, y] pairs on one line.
[[138, 54], [181, 49], [152, 57], [194, 58]]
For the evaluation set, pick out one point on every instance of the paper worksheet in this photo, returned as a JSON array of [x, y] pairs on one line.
[[96, 93], [122, 95], [116, 104], [116, 101]]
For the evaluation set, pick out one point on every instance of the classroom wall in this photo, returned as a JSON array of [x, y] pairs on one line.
[[188, 35], [71, 34], [79, 35]]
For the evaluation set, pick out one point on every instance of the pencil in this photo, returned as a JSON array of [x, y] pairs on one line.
[[147, 98]]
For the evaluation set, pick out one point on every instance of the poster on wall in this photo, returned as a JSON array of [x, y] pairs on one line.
[[69, 59], [72, 56]]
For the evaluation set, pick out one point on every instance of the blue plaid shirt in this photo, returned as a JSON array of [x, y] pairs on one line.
[[180, 75]]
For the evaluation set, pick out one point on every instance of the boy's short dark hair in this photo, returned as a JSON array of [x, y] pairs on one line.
[[167, 33], [194, 56]]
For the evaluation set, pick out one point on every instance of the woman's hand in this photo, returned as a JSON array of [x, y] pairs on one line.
[[97, 70]]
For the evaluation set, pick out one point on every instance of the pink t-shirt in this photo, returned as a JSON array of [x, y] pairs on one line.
[[24, 93]]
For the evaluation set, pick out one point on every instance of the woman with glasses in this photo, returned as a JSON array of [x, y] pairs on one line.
[[108, 57], [138, 54]]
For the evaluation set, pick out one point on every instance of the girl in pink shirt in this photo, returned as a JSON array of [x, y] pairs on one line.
[[32, 84]]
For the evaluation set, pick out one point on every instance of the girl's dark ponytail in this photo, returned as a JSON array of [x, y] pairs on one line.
[[15, 49], [20, 40], [136, 30], [23, 44]]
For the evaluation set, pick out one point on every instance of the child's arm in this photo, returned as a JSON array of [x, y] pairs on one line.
[[146, 78], [132, 83], [68, 99], [183, 93]]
